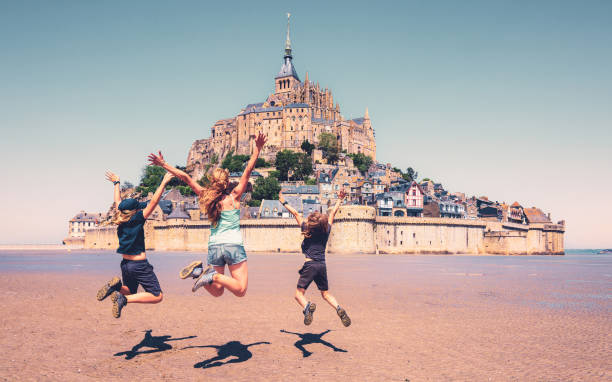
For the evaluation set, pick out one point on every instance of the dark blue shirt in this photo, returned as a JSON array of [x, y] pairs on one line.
[[131, 235], [313, 247]]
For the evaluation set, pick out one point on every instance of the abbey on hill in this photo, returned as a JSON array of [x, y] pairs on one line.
[[295, 112]]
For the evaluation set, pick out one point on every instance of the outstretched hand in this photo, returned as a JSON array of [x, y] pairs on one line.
[[261, 140], [167, 177], [156, 160], [112, 177], [281, 198], [342, 194]]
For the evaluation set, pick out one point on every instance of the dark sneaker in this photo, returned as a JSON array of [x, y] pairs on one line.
[[308, 313], [119, 301], [188, 270], [205, 279], [112, 286], [346, 321]]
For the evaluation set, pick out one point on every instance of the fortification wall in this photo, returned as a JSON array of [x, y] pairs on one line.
[[357, 230], [428, 235]]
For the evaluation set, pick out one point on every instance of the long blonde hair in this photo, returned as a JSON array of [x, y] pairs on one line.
[[119, 217], [214, 192], [316, 224]]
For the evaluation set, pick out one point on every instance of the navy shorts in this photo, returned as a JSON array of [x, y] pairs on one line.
[[221, 254], [313, 271], [139, 272]]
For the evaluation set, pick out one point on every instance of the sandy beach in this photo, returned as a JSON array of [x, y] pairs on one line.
[[415, 318]]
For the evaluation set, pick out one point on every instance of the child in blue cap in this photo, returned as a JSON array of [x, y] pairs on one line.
[[130, 216]]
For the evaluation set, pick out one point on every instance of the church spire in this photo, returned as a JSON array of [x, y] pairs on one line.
[[367, 115], [287, 70], [288, 40]]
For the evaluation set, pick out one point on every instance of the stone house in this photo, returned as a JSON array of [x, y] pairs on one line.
[[82, 222], [515, 214], [414, 200]]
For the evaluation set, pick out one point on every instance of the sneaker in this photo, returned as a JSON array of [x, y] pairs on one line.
[[188, 270], [119, 301], [308, 312], [114, 285], [205, 279], [346, 321]]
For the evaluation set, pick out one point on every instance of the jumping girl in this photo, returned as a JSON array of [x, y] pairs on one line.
[[130, 217], [316, 229], [221, 203]]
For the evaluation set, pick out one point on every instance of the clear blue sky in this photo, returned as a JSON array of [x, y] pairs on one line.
[[509, 99]]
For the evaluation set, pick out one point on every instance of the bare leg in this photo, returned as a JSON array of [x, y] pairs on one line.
[[125, 290], [238, 282], [330, 299], [216, 289], [144, 298], [299, 297]]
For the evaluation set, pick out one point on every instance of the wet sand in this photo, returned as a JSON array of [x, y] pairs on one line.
[[416, 318]]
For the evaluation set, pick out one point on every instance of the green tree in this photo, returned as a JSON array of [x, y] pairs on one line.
[[262, 163], [254, 203], [266, 188], [303, 167], [234, 163], [410, 175], [299, 164], [307, 147], [285, 162], [151, 178], [310, 181], [361, 161], [329, 144]]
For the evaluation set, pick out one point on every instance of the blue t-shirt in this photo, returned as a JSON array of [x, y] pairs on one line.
[[131, 235], [313, 247]]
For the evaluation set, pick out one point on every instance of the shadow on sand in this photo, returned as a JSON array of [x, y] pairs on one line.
[[231, 349], [311, 338], [156, 343]]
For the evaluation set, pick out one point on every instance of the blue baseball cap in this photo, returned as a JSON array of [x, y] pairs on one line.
[[131, 204]]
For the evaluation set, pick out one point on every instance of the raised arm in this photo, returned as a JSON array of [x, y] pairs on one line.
[[289, 208], [244, 180], [332, 214], [157, 195], [158, 160], [112, 177]]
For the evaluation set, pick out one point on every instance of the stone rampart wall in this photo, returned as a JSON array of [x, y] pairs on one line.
[[357, 230]]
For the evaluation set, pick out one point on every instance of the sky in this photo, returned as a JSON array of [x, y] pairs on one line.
[[508, 99]]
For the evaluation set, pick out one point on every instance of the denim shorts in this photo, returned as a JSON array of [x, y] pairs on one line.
[[230, 254]]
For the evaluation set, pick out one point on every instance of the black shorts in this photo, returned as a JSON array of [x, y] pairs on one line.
[[139, 272], [313, 271]]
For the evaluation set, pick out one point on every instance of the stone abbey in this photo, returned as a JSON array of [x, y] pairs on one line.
[[295, 112]]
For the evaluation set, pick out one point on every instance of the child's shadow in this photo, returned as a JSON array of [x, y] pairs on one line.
[[230, 349], [311, 338], [157, 344]]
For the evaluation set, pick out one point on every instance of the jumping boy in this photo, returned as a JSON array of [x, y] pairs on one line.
[[130, 217], [315, 229]]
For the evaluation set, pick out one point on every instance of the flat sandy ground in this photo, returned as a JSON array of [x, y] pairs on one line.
[[415, 318]]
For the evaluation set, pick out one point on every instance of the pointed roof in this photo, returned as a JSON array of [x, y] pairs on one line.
[[367, 115], [288, 70], [179, 213]]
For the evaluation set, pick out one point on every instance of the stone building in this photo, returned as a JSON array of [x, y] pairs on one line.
[[82, 222], [296, 111]]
